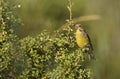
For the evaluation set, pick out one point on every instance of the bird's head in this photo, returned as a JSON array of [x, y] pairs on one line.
[[79, 26]]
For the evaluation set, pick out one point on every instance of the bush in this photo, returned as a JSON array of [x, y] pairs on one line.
[[40, 57]]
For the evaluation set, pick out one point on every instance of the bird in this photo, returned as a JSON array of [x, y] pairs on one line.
[[83, 40]]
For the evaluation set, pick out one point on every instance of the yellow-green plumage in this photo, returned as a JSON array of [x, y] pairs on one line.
[[81, 38]]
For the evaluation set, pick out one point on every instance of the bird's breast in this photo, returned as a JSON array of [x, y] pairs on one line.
[[81, 39]]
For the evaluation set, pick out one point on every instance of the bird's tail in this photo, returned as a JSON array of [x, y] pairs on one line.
[[88, 50], [91, 56]]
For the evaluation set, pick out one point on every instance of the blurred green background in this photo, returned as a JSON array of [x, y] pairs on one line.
[[44, 14], [38, 15]]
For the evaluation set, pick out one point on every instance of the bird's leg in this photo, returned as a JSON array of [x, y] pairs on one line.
[[85, 49]]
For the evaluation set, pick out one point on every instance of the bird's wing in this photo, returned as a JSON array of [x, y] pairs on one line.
[[89, 41], [88, 38]]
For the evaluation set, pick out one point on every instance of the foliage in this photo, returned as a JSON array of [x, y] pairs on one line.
[[7, 39], [41, 57]]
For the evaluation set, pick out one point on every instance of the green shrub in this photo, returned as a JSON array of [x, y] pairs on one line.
[[7, 39], [41, 57]]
